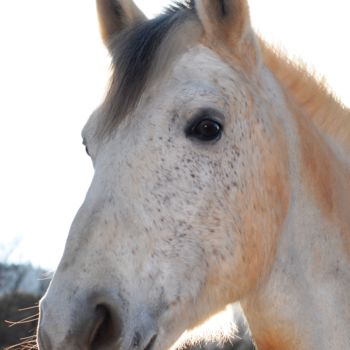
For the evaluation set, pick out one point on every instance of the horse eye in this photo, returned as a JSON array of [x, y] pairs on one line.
[[205, 130]]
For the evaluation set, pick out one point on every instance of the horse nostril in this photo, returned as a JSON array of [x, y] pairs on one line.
[[106, 328]]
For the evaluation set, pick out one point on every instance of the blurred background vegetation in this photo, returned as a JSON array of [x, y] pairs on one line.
[[18, 319], [21, 287]]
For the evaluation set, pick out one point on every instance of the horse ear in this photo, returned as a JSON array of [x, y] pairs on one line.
[[116, 15], [227, 26]]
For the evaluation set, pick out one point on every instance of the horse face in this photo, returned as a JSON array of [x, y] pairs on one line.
[[183, 213]]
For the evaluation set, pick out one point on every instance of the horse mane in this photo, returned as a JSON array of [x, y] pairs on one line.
[[142, 52], [328, 114]]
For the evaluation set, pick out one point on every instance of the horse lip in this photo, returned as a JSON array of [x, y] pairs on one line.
[[151, 342], [144, 332], [143, 342]]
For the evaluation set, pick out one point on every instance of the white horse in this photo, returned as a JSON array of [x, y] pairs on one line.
[[222, 174]]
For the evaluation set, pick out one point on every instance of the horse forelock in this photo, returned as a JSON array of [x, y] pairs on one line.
[[143, 52]]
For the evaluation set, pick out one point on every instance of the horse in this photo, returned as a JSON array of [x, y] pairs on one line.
[[221, 174]]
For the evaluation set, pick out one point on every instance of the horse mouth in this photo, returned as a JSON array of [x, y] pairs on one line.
[[151, 343]]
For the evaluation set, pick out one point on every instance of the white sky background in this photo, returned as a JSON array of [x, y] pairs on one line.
[[53, 71]]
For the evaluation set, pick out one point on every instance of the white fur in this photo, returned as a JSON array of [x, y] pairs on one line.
[[163, 233]]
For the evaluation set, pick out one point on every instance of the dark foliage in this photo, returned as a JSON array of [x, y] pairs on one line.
[[18, 318]]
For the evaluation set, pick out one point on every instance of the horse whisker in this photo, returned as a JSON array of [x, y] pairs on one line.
[[28, 319], [29, 308]]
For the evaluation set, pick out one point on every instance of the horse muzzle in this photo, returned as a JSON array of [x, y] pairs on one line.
[[87, 325]]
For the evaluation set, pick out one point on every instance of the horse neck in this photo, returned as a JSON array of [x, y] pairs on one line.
[[304, 302]]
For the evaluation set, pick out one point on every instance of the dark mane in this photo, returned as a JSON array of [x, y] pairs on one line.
[[134, 55]]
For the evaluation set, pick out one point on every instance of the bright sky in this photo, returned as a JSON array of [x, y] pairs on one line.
[[53, 71]]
